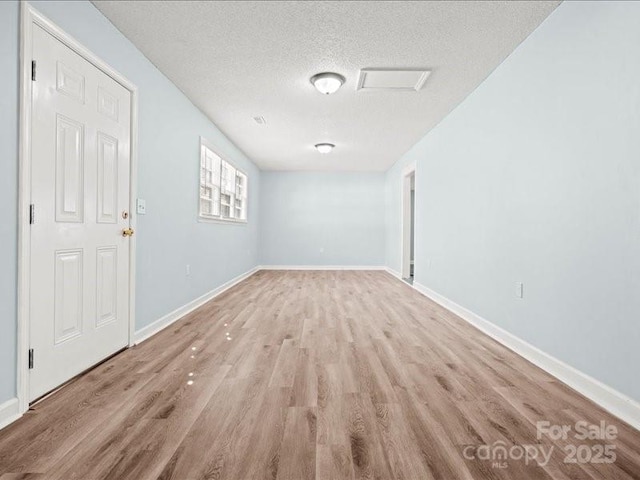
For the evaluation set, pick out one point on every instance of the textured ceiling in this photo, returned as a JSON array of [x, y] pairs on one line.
[[238, 60]]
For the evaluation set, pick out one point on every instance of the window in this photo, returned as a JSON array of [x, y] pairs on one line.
[[223, 188]]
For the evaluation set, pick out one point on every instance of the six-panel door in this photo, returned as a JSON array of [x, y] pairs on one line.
[[79, 296]]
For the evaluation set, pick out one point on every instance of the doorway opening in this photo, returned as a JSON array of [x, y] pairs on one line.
[[408, 224]]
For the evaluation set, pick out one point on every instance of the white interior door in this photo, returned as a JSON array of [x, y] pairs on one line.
[[80, 175]]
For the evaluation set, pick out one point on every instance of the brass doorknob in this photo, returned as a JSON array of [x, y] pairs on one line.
[[127, 232]]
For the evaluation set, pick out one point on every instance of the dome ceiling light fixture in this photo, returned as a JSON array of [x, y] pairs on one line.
[[325, 147], [327, 82]]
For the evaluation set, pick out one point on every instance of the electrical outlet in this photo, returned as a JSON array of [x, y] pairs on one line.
[[188, 270], [141, 206], [519, 289]]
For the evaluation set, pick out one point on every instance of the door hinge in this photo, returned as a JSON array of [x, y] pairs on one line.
[[30, 358], [33, 70], [32, 214]]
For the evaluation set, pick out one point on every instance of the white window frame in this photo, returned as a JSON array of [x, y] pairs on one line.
[[213, 185]]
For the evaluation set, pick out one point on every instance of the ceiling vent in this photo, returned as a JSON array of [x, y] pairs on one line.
[[392, 79]]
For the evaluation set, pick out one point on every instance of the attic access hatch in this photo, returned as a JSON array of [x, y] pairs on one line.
[[392, 79]]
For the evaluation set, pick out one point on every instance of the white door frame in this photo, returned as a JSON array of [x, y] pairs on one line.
[[405, 215], [29, 17]]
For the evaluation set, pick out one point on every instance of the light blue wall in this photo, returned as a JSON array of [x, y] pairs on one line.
[[9, 42], [169, 236], [302, 213], [535, 177]]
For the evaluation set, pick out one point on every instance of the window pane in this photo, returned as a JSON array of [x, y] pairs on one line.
[[215, 171], [228, 177], [216, 201], [223, 175], [225, 200], [209, 183], [205, 206], [238, 185]]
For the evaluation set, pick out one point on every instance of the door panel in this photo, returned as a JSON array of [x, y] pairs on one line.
[[68, 295], [107, 285], [69, 170], [80, 176], [70, 82], [107, 178], [107, 104]]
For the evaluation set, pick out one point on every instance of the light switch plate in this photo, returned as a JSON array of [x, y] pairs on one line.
[[519, 290], [141, 206]]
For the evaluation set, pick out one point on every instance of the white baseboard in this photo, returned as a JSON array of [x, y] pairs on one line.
[[322, 267], [608, 398], [393, 272], [172, 317], [9, 412]]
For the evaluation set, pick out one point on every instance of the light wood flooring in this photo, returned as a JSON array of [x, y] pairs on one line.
[[324, 375]]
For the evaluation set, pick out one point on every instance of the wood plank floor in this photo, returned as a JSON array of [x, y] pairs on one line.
[[323, 375]]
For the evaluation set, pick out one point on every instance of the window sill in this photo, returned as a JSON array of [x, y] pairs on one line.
[[202, 219]]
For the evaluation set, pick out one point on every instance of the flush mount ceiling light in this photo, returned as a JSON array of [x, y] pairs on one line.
[[325, 147], [327, 82]]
